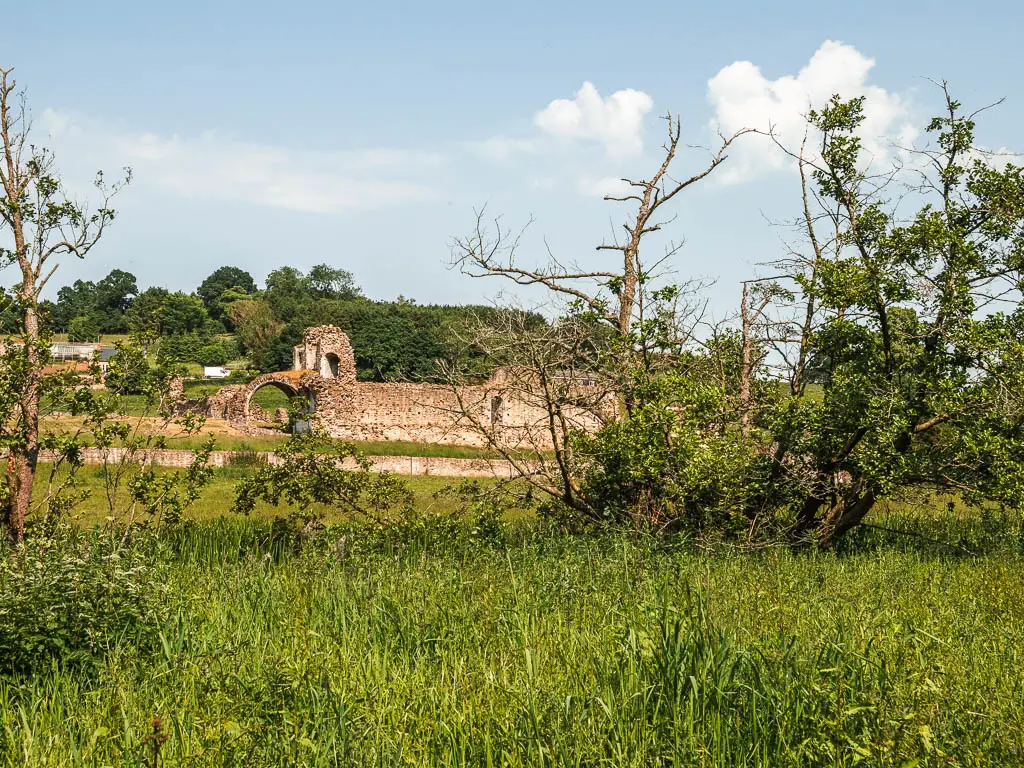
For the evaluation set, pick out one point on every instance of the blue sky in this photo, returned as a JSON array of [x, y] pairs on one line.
[[363, 135]]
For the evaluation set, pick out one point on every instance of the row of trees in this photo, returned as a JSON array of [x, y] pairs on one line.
[[115, 304], [398, 339], [392, 340]]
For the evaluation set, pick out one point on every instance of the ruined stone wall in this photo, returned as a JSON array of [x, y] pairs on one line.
[[327, 351], [220, 405], [419, 413], [427, 413], [176, 388], [324, 371]]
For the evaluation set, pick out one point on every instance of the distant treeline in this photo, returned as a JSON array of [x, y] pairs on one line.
[[228, 315]]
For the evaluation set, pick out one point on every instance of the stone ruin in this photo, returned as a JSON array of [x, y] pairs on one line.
[[323, 377]]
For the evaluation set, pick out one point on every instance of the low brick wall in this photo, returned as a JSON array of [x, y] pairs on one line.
[[400, 465]]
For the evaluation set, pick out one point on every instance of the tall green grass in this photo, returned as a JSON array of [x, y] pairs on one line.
[[449, 643]]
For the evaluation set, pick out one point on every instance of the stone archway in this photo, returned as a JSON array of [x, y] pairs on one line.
[[288, 382]]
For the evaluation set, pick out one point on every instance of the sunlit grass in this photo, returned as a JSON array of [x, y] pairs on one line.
[[451, 645], [228, 439], [216, 499]]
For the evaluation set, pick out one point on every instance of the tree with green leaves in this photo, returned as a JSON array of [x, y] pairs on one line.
[[146, 312], [43, 224], [114, 294], [104, 302], [912, 322], [83, 328], [286, 292], [9, 314], [75, 300], [222, 280], [256, 326], [182, 313], [289, 290], [157, 310], [313, 471], [327, 282]]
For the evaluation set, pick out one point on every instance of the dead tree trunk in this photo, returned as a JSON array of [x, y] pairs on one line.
[[746, 365]]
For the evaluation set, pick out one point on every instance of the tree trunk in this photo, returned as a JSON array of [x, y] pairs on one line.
[[746, 405], [23, 458], [846, 517], [51, 225], [807, 518]]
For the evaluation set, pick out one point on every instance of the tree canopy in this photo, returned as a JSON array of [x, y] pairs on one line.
[[104, 302], [233, 281]]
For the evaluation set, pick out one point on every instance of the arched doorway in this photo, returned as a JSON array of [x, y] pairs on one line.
[[270, 402], [268, 405]]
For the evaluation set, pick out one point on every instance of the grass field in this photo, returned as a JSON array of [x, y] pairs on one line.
[[217, 497], [456, 641], [449, 643]]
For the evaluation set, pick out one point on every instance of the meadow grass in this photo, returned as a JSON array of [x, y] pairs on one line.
[[216, 498], [228, 439], [462, 641], [441, 644], [227, 442]]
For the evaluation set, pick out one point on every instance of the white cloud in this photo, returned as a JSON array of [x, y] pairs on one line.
[[616, 122], [213, 167], [744, 98]]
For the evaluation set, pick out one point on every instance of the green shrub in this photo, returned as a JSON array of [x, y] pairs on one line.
[[202, 348], [68, 600], [216, 352], [129, 372], [667, 465]]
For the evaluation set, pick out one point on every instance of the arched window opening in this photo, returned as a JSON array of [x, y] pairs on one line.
[[329, 366]]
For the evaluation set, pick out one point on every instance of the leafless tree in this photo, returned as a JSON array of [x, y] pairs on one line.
[[610, 323], [613, 295], [549, 386]]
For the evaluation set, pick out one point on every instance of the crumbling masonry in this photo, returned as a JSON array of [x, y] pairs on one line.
[[323, 376]]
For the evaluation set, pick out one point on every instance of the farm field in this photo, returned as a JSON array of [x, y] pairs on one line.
[[476, 642]]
